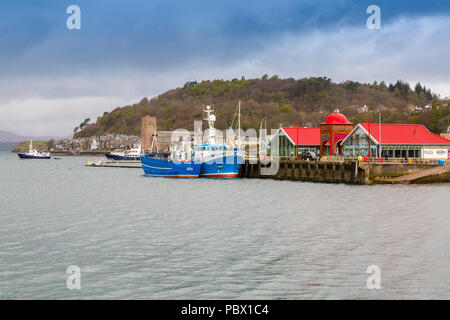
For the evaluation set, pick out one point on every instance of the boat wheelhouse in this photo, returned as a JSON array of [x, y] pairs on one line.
[[217, 160]]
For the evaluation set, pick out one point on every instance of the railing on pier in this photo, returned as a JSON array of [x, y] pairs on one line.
[[374, 160]]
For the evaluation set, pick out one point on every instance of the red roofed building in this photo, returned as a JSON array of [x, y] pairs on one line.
[[337, 135], [307, 139], [395, 140]]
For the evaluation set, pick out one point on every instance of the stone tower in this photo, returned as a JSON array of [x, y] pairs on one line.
[[148, 129]]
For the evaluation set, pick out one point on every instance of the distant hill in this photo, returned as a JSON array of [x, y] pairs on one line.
[[6, 136], [279, 101]]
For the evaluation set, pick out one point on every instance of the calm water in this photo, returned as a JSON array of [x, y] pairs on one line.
[[139, 237]]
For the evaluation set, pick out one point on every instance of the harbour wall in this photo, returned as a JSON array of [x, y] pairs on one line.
[[347, 171]]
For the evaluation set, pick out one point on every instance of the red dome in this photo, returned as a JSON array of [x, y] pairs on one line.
[[336, 118]]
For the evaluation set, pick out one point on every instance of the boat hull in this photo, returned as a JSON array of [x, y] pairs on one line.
[[164, 168], [224, 167], [121, 158], [27, 156]]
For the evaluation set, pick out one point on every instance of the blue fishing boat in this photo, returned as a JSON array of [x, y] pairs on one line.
[[218, 160], [33, 153], [179, 163]]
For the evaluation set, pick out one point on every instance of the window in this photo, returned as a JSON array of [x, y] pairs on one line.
[[417, 153]]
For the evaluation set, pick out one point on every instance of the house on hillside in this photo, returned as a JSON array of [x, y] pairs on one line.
[[363, 109], [418, 109]]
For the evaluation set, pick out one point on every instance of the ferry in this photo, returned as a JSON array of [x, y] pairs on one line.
[[178, 163], [217, 160], [133, 154], [33, 153]]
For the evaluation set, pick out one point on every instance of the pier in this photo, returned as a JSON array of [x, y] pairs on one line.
[[350, 172]]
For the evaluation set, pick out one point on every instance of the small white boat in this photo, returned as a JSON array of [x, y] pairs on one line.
[[133, 154], [33, 153]]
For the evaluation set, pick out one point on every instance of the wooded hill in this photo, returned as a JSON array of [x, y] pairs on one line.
[[38, 145], [279, 101]]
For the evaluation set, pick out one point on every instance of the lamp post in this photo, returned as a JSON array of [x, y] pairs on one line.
[[379, 132], [369, 135]]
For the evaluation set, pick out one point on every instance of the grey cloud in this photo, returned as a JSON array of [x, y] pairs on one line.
[[412, 50]]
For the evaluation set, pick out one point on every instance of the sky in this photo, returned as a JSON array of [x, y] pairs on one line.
[[52, 78]]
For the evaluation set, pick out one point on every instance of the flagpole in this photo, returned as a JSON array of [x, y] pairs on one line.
[[379, 132], [369, 137], [297, 140]]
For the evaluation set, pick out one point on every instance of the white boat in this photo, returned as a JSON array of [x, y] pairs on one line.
[[33, 153], [127, 155]]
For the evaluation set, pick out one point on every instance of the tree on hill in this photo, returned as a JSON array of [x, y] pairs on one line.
[[418, 88]]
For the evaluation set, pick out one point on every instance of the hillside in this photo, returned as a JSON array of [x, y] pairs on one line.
[[279, 101], [6, 136]]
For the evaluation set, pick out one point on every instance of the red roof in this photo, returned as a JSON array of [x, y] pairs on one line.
[[304, 136], [336, 118], [404, 134]]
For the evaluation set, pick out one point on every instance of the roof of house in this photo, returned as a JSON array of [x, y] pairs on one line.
[[404, 134], [336, 118], [303, 136]]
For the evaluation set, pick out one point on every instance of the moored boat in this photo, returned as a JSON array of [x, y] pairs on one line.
[[160, 165], [217, 160], [178, 163], [33, 153], [133, 154]]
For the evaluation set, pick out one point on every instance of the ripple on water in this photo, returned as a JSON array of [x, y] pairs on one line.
[[140, 237]]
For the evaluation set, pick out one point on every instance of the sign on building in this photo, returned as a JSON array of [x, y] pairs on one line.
[[434, 153]]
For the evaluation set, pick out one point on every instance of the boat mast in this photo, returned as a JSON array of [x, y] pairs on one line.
[[153, 143], [210, 118], [239, 124]]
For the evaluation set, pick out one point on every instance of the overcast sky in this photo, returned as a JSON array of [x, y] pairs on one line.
[[51, 78]]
